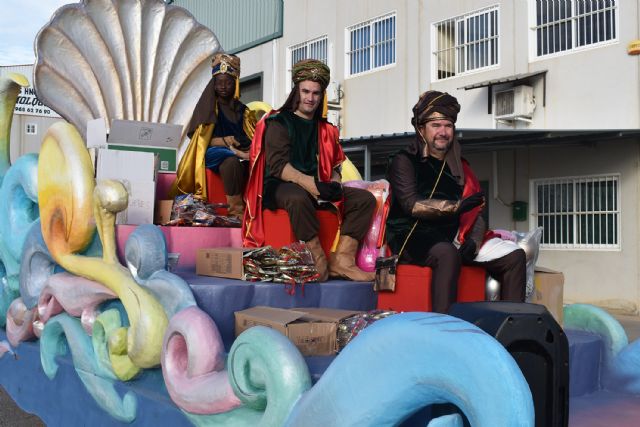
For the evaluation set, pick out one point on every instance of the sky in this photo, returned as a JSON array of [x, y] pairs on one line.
[[20, 21]]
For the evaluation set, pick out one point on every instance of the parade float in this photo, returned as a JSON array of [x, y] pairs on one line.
[[100, 333]]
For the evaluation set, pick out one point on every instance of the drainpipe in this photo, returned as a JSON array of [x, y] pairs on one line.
[[274, 70]]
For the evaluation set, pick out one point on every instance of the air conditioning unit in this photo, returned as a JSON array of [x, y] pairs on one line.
[[334, 93], [333, 117], [513, 103]]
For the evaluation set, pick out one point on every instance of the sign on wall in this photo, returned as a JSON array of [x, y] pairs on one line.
[[29, 104]]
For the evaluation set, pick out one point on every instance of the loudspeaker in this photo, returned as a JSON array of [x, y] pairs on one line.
[[538, 345]]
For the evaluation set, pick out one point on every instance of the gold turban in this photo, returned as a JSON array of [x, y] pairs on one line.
[[313, 70], [224, 63]]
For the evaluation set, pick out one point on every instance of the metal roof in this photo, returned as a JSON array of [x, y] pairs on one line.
[[238, 24], [515, 79], [511, 79], [380, 147]]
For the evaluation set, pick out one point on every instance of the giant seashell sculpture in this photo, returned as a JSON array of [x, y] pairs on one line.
[[133, 60]]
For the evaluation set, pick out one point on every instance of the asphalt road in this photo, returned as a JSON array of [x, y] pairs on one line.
[[12, 416]]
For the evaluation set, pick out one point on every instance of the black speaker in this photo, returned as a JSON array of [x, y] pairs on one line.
[[539, 346]]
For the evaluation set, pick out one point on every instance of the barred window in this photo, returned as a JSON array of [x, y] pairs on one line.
[[578, 213], [371, 44], [466, 43], [31, 129], [565, 25], [317, 48]]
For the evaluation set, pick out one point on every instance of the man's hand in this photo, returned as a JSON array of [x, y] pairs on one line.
[[329, 191], [467, 251], [471, 202], [244, 155]]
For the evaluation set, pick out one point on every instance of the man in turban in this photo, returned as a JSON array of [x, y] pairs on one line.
[[220, 129], [436, 218], [295, 165]]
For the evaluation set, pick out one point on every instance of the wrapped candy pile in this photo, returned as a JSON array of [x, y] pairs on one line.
[[189, 211], [290, 265], [350, 327]]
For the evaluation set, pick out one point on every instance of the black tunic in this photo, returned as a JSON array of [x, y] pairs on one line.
[[412, 180]]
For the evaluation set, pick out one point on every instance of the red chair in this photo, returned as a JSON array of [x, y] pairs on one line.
[[278, 232], [215, 190], [413, 288]]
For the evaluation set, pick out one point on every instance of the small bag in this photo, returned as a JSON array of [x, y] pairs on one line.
[[386, 273]]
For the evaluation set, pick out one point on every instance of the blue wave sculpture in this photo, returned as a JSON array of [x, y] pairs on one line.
[[621, 359], [63, 329], [146, 257], [268, 374], [408, 361], [19, 211]]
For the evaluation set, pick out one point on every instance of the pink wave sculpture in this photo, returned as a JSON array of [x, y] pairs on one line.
[[193, 364], [76, 295], [20, 322], [5, 347]]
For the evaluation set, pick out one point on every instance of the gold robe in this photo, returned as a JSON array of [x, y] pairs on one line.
[[191, 175]]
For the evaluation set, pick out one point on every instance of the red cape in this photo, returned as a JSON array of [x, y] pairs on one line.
[[330, 155], [471, 186]]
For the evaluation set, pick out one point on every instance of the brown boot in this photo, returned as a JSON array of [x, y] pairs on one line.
[[236, 206], [342, 263], [319, 258]]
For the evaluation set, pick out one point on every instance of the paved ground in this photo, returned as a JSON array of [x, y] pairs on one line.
[[12, 416]]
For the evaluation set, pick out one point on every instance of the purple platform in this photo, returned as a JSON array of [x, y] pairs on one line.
[[220, 298], [63, 401], [585, 355]]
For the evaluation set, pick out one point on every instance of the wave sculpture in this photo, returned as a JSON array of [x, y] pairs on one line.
[[69, 205], [408, 361], [18, 196], [621, 359], [133, 60]]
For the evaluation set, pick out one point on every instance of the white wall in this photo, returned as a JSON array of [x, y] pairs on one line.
[[606, 278], [596, 88]]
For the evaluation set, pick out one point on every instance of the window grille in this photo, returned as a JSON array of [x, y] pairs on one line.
[[578, 213], [565, 25], [31, 129], [317, 48], [371, 44], [466, 43]]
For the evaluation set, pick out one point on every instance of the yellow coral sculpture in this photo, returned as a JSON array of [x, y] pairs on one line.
[[71, 206]]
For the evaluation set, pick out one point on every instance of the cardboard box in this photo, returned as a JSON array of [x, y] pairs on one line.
[[549, 290], [162, 139], [137, 133], [96, 133], [312, 330], [163, 212], [166, 156], [136, 171], [221, 262]]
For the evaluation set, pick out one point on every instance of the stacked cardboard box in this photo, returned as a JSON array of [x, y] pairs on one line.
[[549, 286], [312, 330]]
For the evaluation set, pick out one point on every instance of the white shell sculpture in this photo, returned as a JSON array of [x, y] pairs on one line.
[[123, 59]]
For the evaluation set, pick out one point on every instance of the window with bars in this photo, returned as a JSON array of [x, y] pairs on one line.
[[466, 43], [317, 48], [31, 129], [565, 25], [578, 213], [371, 44]]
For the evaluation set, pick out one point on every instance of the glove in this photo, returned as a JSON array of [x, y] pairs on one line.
[[467, 251], [471, 202], [329, 191]]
